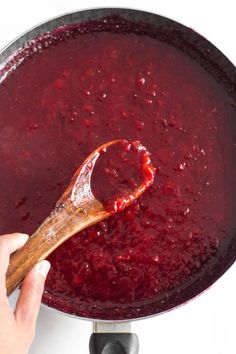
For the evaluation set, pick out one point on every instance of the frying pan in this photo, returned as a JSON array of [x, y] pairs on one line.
[[112, 337]]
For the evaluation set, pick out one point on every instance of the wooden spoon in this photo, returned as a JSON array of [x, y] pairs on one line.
[[76, 210]]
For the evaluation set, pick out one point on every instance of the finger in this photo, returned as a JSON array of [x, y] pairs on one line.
[[8, 244], [28, 303]]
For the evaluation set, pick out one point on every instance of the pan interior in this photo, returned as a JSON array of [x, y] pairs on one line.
[[75, 88]]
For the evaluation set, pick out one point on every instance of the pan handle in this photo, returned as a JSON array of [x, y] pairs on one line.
[[113, 338], [114, 343]]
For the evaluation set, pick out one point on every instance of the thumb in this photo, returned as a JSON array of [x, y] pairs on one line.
[[28, 303]]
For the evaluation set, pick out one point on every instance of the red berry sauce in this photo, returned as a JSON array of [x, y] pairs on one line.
[[122, 172], [76, 90]]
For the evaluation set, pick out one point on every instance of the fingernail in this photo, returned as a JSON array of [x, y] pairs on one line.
[[43, 268], [22, 239], [25, 236]]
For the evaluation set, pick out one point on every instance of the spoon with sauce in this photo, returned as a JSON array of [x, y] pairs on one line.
[[108, 181]]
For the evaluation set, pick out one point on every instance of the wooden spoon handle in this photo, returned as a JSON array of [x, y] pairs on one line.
[[61, 224], [37, 248], [23, 260]]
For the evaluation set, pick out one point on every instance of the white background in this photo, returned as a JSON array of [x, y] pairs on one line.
[[206, 325]]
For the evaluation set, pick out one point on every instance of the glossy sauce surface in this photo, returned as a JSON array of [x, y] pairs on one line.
[[67, 99]]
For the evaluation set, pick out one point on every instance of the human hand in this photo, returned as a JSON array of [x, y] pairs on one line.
[[17, 327]]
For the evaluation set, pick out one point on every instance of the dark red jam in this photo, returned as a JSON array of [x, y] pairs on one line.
[[76, 90], [122, 172]]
